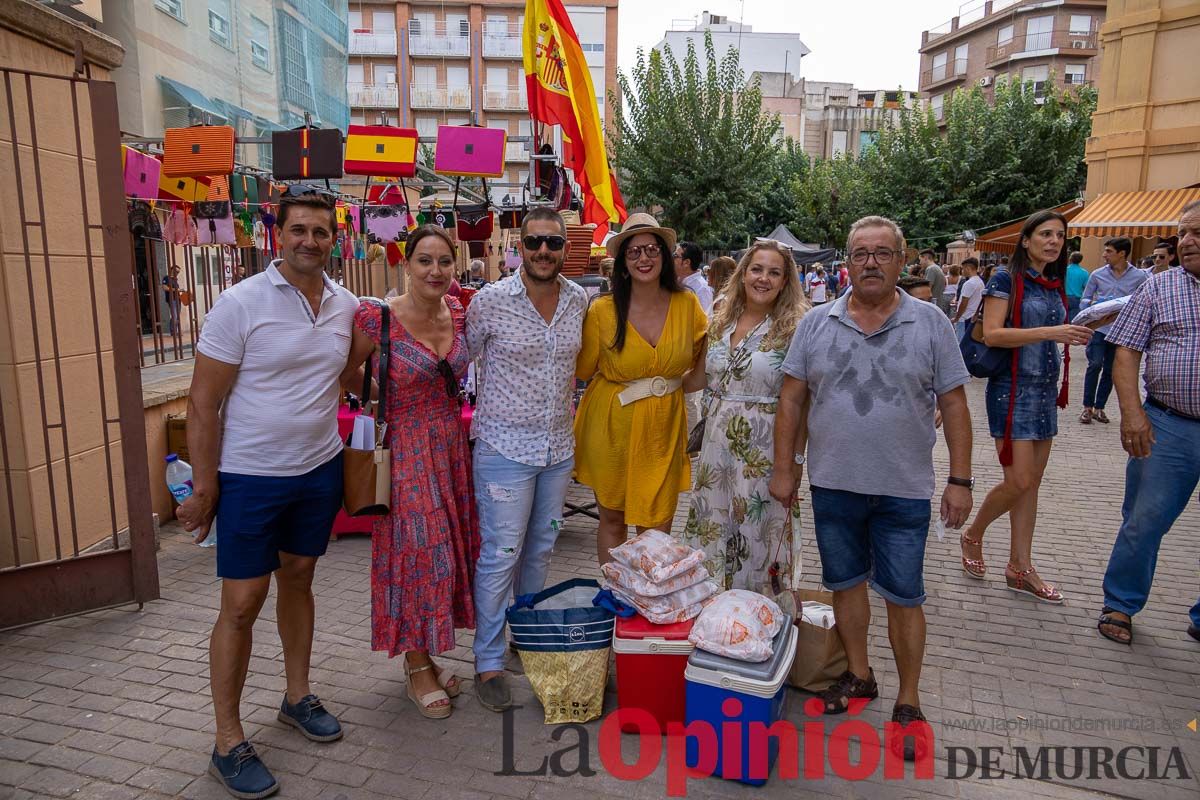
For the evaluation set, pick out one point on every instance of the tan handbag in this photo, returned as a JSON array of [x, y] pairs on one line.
[[367, 474], [820, 657]]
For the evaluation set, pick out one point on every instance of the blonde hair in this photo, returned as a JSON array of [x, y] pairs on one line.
[[790, 304]]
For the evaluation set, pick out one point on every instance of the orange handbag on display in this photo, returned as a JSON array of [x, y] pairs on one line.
[[198, 151]]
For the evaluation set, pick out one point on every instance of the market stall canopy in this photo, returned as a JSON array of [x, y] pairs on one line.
[[1004, 240], [803, 252], [1134, 214]]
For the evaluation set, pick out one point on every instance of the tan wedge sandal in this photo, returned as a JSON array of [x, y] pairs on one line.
[[448, 681], [425, 703]]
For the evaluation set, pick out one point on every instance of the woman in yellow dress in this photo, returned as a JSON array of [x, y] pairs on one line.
[[631, 428]]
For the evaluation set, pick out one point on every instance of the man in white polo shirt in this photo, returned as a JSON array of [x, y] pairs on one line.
[[267, 463]]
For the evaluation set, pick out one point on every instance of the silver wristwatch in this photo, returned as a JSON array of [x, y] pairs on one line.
[[800, 459]]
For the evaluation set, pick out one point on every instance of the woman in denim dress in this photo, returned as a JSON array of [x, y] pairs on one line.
[[1021, 402]]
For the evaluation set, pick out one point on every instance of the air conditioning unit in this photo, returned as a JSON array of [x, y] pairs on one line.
[[986, 80], [1079, 44]]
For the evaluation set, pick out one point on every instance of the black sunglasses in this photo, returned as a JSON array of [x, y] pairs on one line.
[[447, 372], [302, 189], [532, 242]]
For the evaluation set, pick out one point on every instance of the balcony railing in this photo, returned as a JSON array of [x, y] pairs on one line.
[[366, 95], [504, 98], [437, 40], [502, 40], [944, 73], [1085, 44], [453, 97], [380, 43], [516, 151]]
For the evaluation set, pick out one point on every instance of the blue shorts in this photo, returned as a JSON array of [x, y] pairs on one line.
[[1035, 414], [258, 516], [873, 537]]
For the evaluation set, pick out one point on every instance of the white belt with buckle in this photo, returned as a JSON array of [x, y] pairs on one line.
[[642, 388]]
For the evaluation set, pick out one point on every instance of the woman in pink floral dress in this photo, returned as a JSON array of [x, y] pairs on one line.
[[424, 550]]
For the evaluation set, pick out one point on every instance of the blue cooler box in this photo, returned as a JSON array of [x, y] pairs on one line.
[[712, 679]]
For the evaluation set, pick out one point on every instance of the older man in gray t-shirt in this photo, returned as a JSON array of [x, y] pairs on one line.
[[863, 375]]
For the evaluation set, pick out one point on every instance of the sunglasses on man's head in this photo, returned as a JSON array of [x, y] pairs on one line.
[[451, 383], [303, 189], [532, 242]]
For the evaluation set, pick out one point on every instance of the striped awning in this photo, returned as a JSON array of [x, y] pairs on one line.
[[1004, 240], [1146, 214]]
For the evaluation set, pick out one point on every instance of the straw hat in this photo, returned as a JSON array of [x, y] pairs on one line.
[[641, 223]]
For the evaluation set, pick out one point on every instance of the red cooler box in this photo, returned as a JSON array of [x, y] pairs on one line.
[[650, 663]]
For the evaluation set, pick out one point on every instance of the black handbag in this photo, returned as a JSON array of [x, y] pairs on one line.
[[983, 361], [143, 222], [511, 218], [210, 209]]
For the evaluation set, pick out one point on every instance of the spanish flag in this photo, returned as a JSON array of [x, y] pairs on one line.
[[561, 93]]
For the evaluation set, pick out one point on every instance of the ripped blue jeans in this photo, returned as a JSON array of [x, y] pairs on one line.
[[520, 513]]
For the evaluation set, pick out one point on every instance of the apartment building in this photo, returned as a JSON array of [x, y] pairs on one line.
[[258, 65], [758, 51], [829, 119], [1027, 39], [424, 64]]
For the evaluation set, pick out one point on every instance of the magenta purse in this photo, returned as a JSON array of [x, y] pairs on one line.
[[467, 151], [142, 173]]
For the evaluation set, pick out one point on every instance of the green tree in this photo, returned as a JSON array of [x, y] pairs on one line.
[[828, 198], [774, 200], [993, 161], [693, 142]]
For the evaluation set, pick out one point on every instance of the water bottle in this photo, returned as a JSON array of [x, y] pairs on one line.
[[179, 481]]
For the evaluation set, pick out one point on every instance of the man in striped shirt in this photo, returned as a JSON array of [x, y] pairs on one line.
[[1162, 435]]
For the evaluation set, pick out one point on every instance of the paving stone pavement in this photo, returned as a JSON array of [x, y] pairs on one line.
[[115, 704]]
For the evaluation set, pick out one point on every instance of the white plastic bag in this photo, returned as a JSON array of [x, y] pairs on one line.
[[622, 577], [668, 605], [657, 556], [738, 624]]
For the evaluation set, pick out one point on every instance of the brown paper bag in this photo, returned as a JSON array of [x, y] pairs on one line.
[[366, 484], [820, 658]]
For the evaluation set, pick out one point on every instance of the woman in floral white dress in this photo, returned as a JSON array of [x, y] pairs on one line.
[[742, 531]]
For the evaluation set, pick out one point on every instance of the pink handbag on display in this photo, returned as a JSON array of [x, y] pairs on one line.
[[179, 227], [142, 173], [214, 222], [467, 151]]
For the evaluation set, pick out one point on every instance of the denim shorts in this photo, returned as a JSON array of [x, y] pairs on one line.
[[872, 537], [1035, 414], [260, 515]]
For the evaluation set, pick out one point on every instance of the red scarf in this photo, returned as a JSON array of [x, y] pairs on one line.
[[1006, 454]]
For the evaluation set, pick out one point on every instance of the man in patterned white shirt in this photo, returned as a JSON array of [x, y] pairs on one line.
[[526, 331]]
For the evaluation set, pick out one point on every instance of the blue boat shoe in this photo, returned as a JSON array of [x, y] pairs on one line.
[[243, 774], [311, 718]]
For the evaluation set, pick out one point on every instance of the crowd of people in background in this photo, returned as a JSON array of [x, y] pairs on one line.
[[846, 371]]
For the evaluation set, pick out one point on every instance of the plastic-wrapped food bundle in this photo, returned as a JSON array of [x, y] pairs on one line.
[[669, 609], [626, 578], [739, 624], [1099, 314], [657, 556]]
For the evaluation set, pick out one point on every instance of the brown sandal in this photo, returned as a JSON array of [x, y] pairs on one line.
[[1017, 582], [975, 568], [847, 687], [1100, 416], [1086, 416]]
